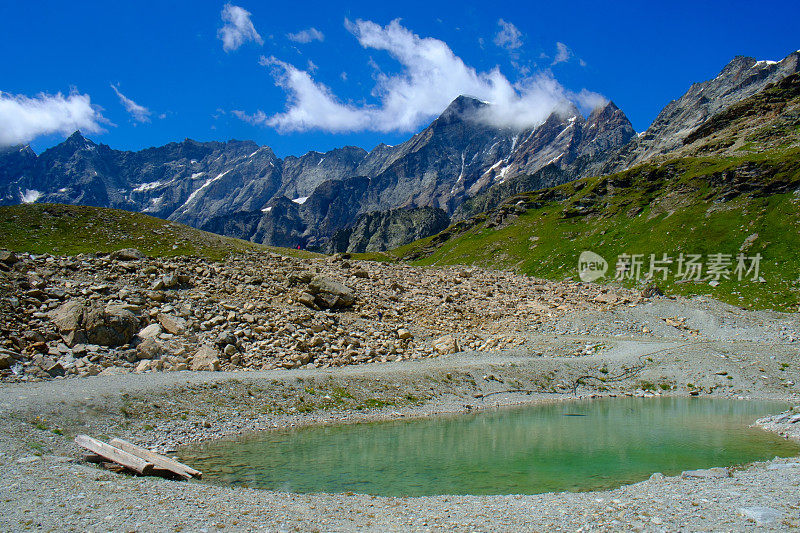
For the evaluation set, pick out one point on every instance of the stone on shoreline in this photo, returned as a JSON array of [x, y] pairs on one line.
[[446, 345], [717, 472]]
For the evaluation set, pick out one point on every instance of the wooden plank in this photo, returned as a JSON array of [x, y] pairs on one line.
[[160, 461], [112, 453], [114, 467]]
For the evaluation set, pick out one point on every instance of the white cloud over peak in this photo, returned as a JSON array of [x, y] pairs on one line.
[[588, 101], [23, 119], [509, 37], [306, 36], [238, 28], [431, 77], [138, 112]]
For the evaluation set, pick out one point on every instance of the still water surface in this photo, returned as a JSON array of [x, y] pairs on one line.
[[568, 446]]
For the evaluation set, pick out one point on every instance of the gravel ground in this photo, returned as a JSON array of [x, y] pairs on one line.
[[674, 347]]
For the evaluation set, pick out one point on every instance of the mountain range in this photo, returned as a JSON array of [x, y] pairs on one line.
[[349, 199]]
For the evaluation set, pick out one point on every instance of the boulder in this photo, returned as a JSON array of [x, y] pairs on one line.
[[330, 294], [172, 324], [206, 358], [153, 330], [307, 299], [127, 254], [7, 258], [149, 349], [446, 345], [51, 366], [170, 280], [110, 326], [404, 334], [68, 316], [143, 366], [6, 360], [652, 291], [80, 323]]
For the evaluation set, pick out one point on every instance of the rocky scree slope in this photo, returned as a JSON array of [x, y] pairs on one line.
[[124, 312]]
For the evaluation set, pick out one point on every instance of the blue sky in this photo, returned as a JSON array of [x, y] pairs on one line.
[[146, 73]]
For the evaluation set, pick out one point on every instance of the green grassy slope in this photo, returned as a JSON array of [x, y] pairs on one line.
[[70, 230], [694, 205]]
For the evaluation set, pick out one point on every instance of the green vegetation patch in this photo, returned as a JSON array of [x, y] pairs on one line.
[[704, 206], [70, 230]]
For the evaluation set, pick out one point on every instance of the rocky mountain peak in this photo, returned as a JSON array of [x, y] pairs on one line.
[[77, 141], [462, 108], [739, 79]]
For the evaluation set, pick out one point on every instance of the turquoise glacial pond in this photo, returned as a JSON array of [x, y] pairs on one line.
[[566, 446]]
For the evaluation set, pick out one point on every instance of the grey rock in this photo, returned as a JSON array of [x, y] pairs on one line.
[[206, 358], [150, 348], [6, 360], [230, 350], [760, 515], [153, 330], [80, 322], [110, 326], [709, 473], [307, 299], [127, 254], [172, 324], [446, 344], [8, 258], [330, 294]]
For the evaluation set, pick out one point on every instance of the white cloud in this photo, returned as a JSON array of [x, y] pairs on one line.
[[311, 105], [588, 101], [563, 53], [23, 119], [306, 36], [509, 37], [238, 28], [138, 112], [431, 77]]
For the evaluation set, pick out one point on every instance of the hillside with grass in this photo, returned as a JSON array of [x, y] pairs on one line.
[[733, 188], [748, 205], [71, 230]]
